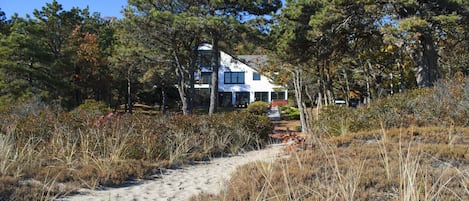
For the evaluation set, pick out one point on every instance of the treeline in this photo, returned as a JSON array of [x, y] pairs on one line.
[[323, 50], [58, 56], [148, 56], [367, 49]]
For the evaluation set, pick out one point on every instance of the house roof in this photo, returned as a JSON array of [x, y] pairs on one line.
[[254, 61], [204, 46]]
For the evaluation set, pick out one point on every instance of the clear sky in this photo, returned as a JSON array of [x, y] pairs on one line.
[[107, 8]]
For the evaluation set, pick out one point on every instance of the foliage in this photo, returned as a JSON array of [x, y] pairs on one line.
[[422, 107], [395, 164], [329, 48], [93, 107], [290, 113], [258, 107], [58, 56], [84, 148]]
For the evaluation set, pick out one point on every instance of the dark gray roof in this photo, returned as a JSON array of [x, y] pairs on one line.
[[254, 61]]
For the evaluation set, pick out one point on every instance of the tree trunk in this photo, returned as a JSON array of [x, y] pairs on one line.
[[367, 79], [347, 85], [323, 84], [129, 91], [400, 77], [181, 85], [192, 71], [182, 92], [215, 66], [319, 104], [163, 100], [427, 70], [297, 82], [329, 88], [319, 98]]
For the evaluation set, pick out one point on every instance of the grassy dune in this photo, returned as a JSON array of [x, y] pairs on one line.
[[45, 153], [413, 163], [410, 147]]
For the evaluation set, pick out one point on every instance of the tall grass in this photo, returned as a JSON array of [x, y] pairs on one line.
[[446, 104], [412, 146], [351, 167], [42, 149]]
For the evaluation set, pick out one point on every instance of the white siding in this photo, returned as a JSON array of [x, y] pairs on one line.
[[230, 64]]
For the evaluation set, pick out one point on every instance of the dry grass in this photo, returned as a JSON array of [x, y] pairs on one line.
[[49, 154], [396, 164], [395, 150]]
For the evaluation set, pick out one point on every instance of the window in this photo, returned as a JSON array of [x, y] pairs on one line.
[[205, 57], [242, 99], [277, 95], [234, 77], [224, 99], [205, 78], [256, 76], [261, 96], [202, 97]]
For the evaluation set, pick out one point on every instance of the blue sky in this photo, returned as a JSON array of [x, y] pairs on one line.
[[23, 7]]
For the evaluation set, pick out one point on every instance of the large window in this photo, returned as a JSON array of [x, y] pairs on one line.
[[205, 78], [242, 99], [277, 95], [234, 77], [261, 96], [202, 97], [224, 99], [256, 76]]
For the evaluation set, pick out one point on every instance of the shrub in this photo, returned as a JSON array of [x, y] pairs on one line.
[[446, 104], [258, 108], [70, 147], [290, 113], [393, 165], [93, 107]]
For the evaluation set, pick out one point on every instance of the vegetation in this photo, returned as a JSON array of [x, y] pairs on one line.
[[403, 148], [327, 50], [69, 56], [62, 71], [443, 105], [321, 50], [258, 108], [290, 113], [47, 152]]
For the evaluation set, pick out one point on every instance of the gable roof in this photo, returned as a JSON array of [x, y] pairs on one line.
[[254, 61]]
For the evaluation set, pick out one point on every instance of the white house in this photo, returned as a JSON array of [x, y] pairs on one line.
[[239, 82]]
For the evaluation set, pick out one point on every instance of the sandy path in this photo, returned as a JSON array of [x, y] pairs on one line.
[[182, 183]]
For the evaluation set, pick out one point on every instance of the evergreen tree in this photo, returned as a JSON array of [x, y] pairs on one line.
[[424, 25]]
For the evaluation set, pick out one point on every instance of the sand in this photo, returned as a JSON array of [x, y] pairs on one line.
[[181, 184]]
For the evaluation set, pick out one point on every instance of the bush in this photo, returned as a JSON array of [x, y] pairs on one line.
[[290, 113], [445, 104], [94, 107], [258, 108], [71, 148]]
